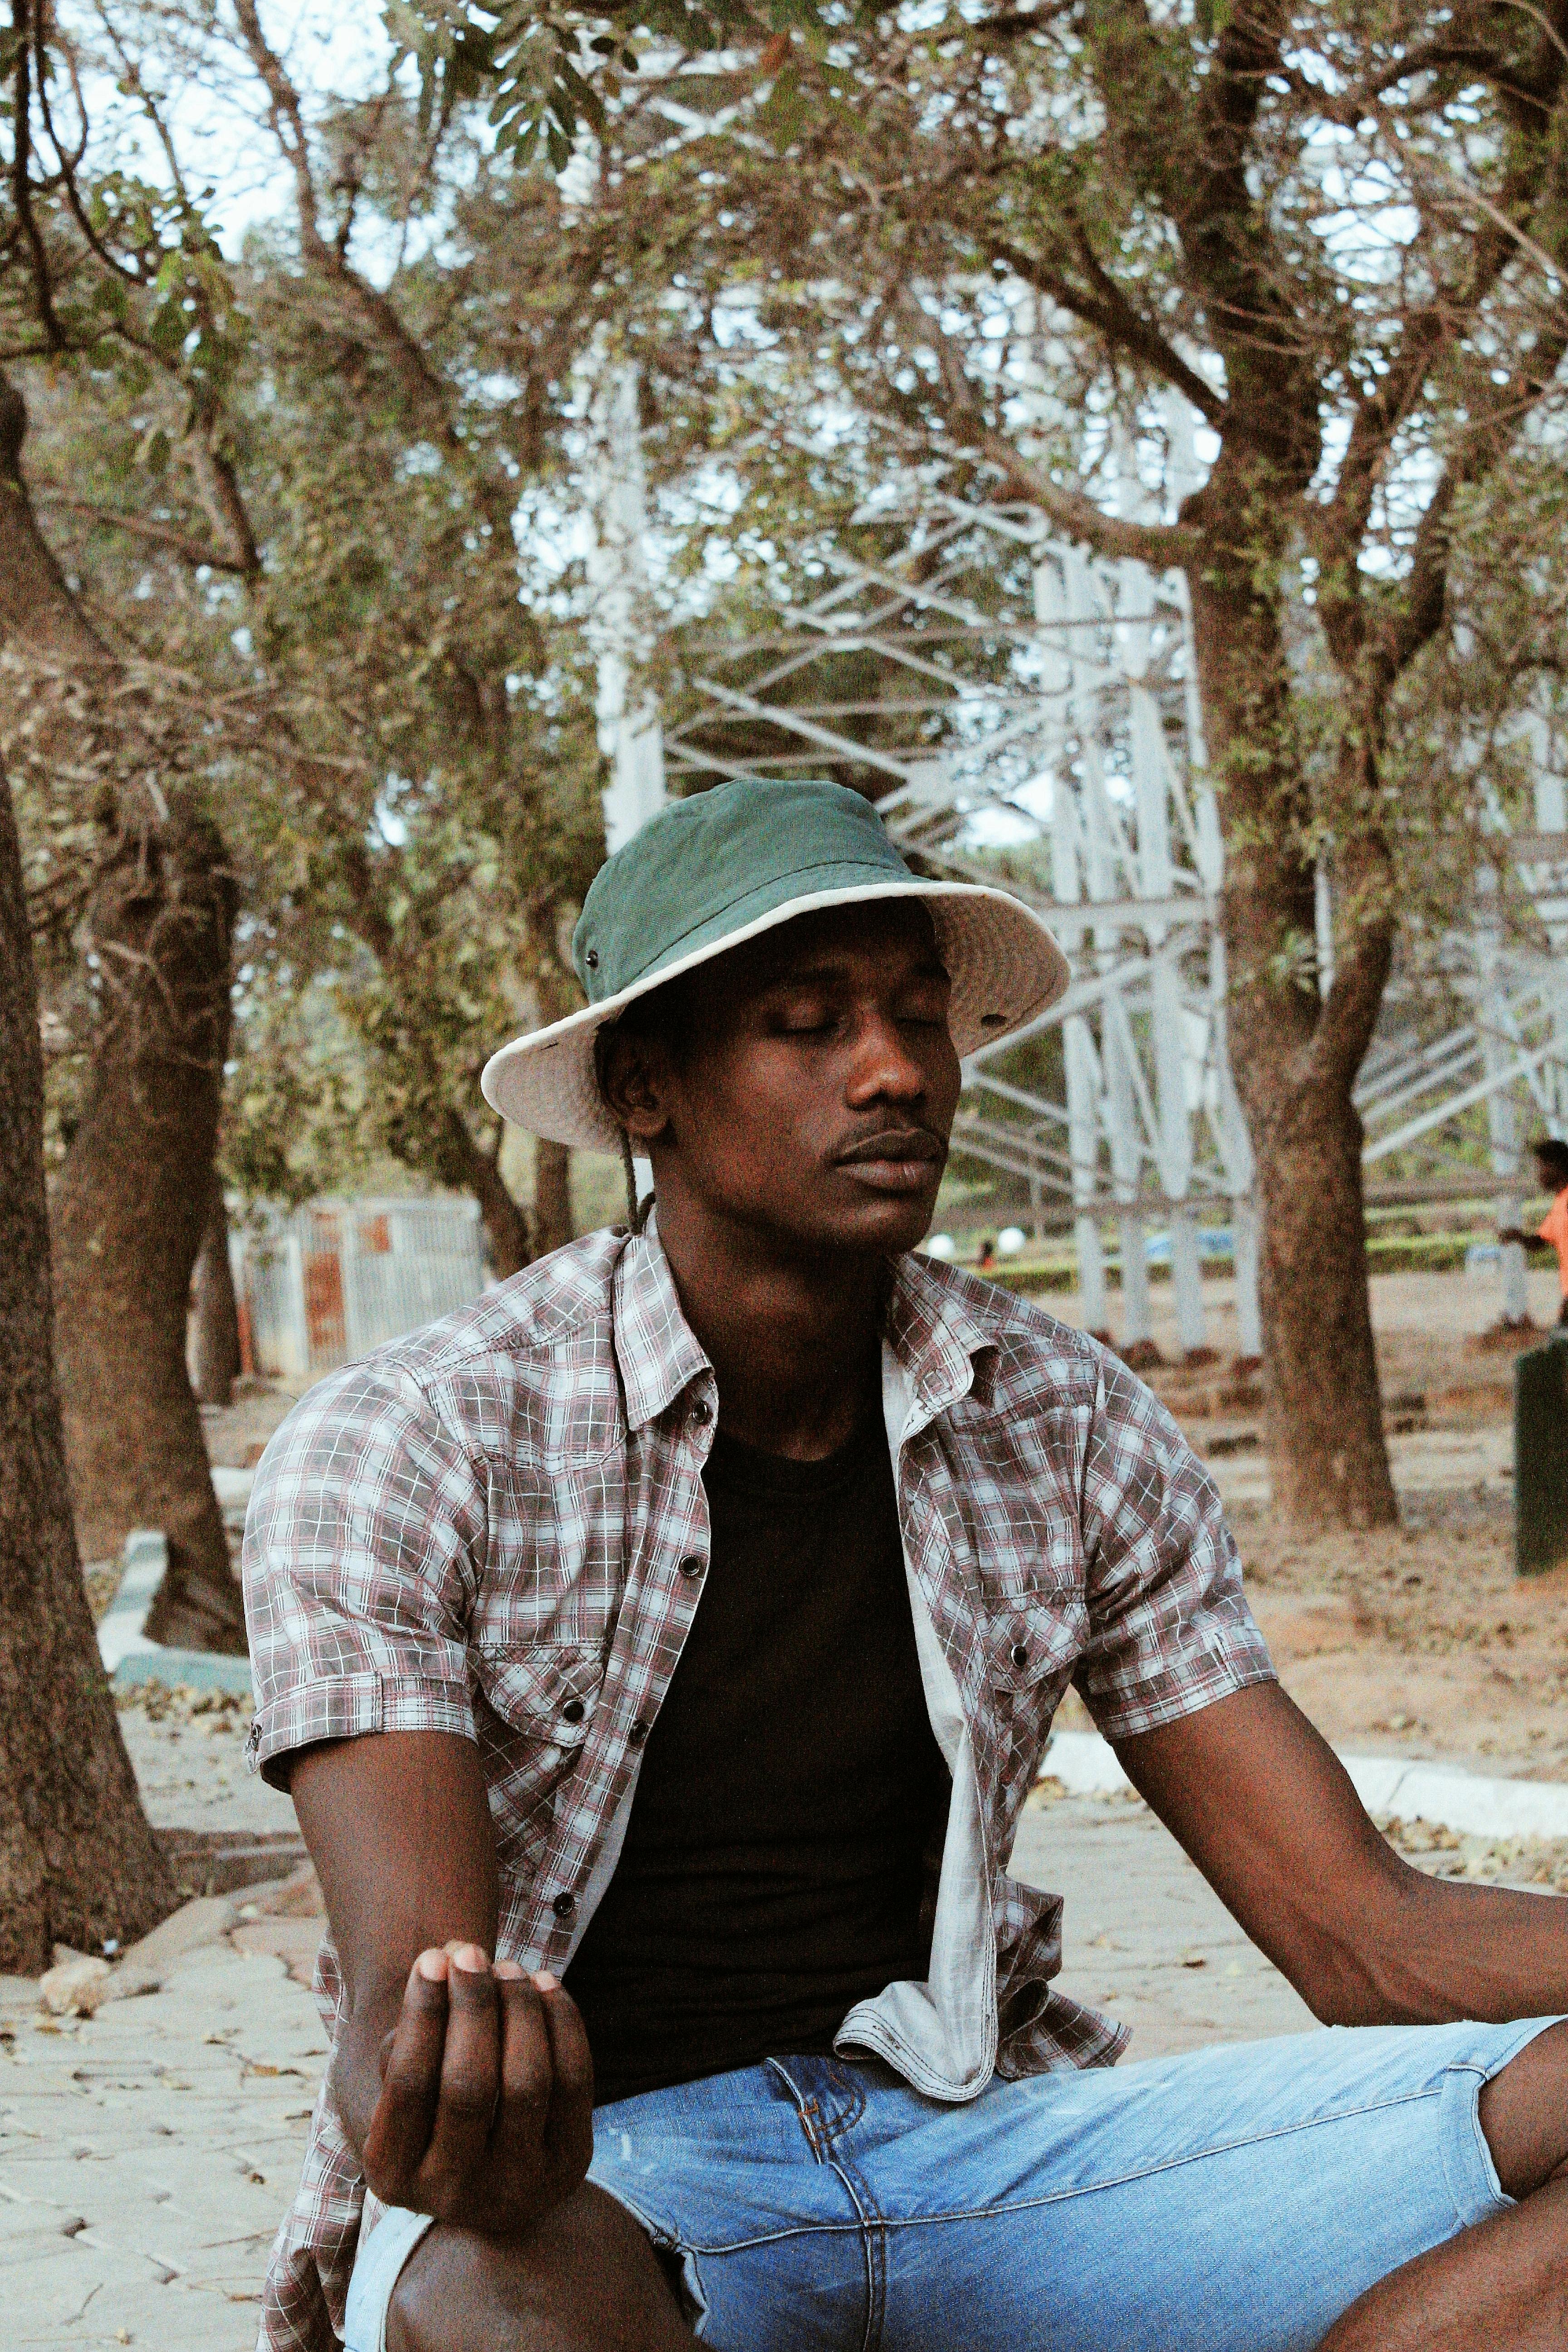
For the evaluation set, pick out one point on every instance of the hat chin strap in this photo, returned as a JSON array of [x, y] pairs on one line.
[[637, 1216]]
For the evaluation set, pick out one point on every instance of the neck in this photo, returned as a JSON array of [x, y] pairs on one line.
[[793, 1336]]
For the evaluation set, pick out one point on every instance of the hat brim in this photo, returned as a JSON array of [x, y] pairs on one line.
[[1005, 966]]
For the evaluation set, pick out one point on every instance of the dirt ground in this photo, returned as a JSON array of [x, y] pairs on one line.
[[1418, 1640]]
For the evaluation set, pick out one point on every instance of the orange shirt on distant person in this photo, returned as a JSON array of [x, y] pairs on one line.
[[1554, 1229]]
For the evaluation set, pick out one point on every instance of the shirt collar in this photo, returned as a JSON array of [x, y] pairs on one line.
[[656, 1349], [936, 1330]]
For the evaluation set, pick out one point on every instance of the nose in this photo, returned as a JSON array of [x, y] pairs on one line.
[[881, 1067]]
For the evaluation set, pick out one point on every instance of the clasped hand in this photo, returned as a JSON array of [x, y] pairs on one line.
[[486, 2112]]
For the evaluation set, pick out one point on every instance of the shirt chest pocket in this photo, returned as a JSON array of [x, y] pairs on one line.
[[537, 1704], [1035, 1635], [1033, 1645], [556, 1569]]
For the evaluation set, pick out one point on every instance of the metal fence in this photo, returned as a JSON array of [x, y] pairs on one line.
[[337, 1278]]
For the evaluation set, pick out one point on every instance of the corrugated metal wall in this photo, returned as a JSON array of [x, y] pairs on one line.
[[335, 1279]]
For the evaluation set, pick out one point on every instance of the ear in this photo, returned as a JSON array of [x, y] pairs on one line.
[[637, 1084]]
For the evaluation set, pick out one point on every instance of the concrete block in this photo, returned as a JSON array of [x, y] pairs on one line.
[[204, 1920]]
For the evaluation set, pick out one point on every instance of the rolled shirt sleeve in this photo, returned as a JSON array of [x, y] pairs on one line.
[[363, 1544], [1169, 1628]]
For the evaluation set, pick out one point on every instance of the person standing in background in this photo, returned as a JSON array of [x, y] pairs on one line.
[[1552, 1167]]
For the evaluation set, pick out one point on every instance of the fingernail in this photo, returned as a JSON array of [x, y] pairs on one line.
[[470, 1957], [545, 1982], [432, 1967]]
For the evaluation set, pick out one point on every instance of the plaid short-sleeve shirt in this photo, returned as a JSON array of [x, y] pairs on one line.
[[498, 1527]]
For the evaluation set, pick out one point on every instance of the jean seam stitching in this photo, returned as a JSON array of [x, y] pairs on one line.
[[852, 2187], [1153, 2172]]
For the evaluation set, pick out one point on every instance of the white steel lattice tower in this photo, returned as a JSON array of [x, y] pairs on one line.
[[1072, 767]]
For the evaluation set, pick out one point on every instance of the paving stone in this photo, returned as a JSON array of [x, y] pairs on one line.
[[200, 1921], [1144, 1937], [147, 2155]]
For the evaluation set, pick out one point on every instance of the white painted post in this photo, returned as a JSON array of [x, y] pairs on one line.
[[1152, 784], [1137, 1307], [1323, 924], [1081, 1069], [630, 736], [1244, 1243], [1116, 1100], [1230, 1124], [1503, 1111], [1186, 1276]]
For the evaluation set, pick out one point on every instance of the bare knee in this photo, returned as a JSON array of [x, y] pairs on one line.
[[1525, 2115], [586, 2279]]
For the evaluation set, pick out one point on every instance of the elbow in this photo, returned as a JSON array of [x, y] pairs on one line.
[[1368, 1969], [1344, 1987], [1349, 1999]]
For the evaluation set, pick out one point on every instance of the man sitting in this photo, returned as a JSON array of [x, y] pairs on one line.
[[659, 1653]]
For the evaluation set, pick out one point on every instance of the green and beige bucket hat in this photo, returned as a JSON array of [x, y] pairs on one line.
[[710, 873]]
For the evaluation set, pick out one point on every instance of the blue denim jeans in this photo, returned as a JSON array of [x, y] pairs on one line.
[[1233, 2199]]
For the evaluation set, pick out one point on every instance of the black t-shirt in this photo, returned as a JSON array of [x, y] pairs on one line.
[[780, 1859]]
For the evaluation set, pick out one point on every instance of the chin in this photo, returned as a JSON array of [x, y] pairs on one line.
[[820, 1217], [889, 1225]]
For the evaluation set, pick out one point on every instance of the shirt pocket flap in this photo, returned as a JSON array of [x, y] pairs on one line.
[[546, 1690], [1035, 1635]]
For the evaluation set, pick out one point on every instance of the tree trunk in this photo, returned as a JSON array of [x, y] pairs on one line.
[[551, 1196], [464, 1166], [215, 1310], [132, 1197], [1328, 1457], [130, 1213], [1294, 1053], [78, 1860], [505, 1223]]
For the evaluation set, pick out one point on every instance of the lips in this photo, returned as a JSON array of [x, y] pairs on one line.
[[896, 1146]]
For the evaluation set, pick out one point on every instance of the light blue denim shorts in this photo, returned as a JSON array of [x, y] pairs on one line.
[[1233, 2199]]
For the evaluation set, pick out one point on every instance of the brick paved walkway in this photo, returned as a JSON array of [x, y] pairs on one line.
[[147, 2153]]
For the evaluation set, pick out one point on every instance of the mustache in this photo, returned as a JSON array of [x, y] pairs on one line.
[[903, 1141]]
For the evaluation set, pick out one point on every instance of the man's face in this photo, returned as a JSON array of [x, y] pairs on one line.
[[813, 1090]]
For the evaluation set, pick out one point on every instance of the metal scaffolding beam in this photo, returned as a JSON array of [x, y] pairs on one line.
[[1058, 751]]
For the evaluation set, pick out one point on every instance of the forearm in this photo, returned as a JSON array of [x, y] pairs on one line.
[[399, 1828], [1268, 1812], [357, 2053], [1443, 1951]]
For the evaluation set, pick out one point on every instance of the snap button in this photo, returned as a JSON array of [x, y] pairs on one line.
[[638, 1734], [1020, 1654], [701, 1412], [591, 959], [564, 1904], [574, 1711], [692, 1565]]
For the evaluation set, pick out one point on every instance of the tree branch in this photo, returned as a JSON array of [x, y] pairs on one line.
[[1108, 311], [21, 175], [36, 604], [221, 496], [424, 390], [1348, 1015], [1160, 545], [1350, 107], [159, 534]]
